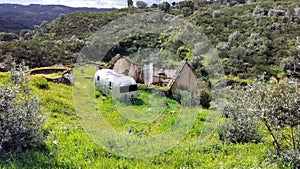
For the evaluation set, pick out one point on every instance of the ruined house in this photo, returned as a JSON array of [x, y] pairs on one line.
[[181, 78]]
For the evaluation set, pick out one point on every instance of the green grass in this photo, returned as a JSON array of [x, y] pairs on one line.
[[4, 77], [238, 80], [68, 145]]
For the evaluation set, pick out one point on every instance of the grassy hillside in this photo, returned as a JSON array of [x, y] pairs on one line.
[[67, 145], [252, 40]]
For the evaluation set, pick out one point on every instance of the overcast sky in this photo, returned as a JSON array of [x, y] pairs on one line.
[[84, 3]]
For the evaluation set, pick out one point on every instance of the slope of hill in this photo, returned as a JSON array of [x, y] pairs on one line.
[[17, 17], [9, 25], [252, 39], [67, 145]]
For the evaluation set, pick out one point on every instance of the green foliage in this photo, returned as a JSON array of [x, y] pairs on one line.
[[204, 92], [141, 4], [130, 3], [68, 145], [251, 46], [26, 34], [257, 49], [40, 83], [239, 127], [275, 106], [4, 77], [258, 43], [79, 24], [232, 80], [165, 6], [187, 7], [97, 93], [291, 65], [21, 117], [8, 36], [38, 54], [184, 97]]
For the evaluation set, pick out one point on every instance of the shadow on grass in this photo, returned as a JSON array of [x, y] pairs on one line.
[[28, 159], [139, 102]]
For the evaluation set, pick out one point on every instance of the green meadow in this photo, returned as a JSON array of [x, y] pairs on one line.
[[74, 141]]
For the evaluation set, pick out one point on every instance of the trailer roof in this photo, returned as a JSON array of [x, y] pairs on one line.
[[115, 77]]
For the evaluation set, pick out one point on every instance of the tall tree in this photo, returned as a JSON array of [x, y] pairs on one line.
[[187, 7], [165, 6], [154, 6], [130, 3], [141, 4]]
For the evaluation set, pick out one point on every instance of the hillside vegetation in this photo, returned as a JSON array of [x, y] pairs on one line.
[[16, 17], [251, 39], [258, 127], [67, 145]]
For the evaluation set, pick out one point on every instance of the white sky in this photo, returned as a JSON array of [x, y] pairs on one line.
[[83, 3]]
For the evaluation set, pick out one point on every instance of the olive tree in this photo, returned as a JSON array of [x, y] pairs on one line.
[[141, 4], [130, 3], [8, 36], [165, 6], [21, 118], [187, 7], [275, 106]]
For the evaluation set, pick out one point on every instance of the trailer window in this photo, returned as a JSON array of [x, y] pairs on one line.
[[129, 88]]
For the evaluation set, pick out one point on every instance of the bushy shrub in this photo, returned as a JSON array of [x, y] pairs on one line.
[[26, 34], [187, 7], [165, 6], [291, 65], [239, 127], [20, 116], [297, 11], [258, 11], [216, 14], [240, 131], [222, 45], [235, 36], [276, 107], [291, 158], [186, 11], [205, 98], [97, 93], [40, 83], [141, 4], [277, 11], [184, 97], [8, 36], [275, 26]]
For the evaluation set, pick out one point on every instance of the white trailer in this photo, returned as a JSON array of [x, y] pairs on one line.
[[119, 86]]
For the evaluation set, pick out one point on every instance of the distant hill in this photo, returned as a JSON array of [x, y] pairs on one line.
[[14, 17]]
